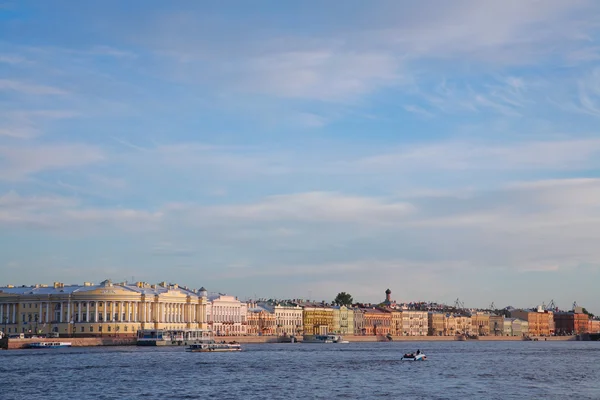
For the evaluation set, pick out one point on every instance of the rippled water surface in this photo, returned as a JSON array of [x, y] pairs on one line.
[[454, 370]]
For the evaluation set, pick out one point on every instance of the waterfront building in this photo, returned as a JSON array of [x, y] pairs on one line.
[[463, 325], [359, 322], [414, 323], [377, 321], [343, 320], [538, 320], [594, 326], [435, 323], [480, 323], [515, 327], [261, 322], [571, 323], [496, 325], [107, 309], [288, 317], [227, 315], [449, 325], [396, 323], [317, 319]]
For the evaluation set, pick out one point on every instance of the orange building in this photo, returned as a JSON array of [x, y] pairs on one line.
[[539, 321], [570, 323], [377, 322], [261, 322]]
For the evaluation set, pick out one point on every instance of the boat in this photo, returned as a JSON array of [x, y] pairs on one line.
[[48, 345], [324, 339], [414, 357], [212, 346], [163, 337]]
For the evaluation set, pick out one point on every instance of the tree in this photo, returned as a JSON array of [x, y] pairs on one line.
[[343, 299], [588, 313]]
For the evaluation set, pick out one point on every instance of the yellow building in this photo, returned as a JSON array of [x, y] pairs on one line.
[[480, 324], [107, 309], [317, 319], [343, 320], [435, 324], [396, 323]]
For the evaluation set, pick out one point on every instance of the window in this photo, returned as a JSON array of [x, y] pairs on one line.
[[109, 328], [125, 328], [83, 329], [91, 328]]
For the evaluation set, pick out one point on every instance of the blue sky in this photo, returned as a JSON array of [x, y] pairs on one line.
[[442, 149]]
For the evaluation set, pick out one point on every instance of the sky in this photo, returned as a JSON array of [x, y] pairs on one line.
[[299, 149]]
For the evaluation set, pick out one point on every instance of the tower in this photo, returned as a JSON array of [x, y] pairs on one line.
[[388, 294]]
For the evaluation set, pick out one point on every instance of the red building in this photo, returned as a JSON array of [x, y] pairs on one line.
[[570, 323]]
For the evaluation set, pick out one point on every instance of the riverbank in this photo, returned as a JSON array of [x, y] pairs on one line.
[[131, 341]]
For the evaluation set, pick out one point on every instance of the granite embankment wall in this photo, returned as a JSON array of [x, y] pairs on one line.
[[130, 341], [75, 342]]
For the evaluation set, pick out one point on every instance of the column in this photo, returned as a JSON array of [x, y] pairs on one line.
[[136, 306], [61, 311], [104, 308], [129, 310], [14, 313], [2, 314], [79, 304], [69, 311], [87, 311], [48, 312], [95, 311], [39, 314]]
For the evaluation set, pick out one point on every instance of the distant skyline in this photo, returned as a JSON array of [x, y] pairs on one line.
[[441, 149]]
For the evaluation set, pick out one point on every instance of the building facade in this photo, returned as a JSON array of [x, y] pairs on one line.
[[317, 319], [414, 323], [435, 324], [496, 325], [227, 316], [480, 324], [261, 322], [107, 309], [343, 320], [570, 323], [288, 317], [538, 321], [359, 322], [377, 322]]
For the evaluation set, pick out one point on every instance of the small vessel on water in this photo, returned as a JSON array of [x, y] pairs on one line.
[[418, 356], [163, 337], [48, 345], [212, 346], [331, 338]]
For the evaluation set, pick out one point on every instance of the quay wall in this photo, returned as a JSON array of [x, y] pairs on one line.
[[75, 342], [131, 341]]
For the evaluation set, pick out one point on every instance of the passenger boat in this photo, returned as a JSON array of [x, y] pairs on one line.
[[48, 345], [163, 337], [414, 357], [324, 339], [212, 346]]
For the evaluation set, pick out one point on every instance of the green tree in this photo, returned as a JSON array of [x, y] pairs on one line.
[[343, 299], [588, 313]]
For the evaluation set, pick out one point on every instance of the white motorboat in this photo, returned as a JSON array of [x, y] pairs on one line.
[[414, 357], [212, 346], [331, 338], [48, 345]]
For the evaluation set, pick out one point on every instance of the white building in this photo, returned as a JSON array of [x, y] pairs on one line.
[[227, 316], [287, 317], [414, 323]]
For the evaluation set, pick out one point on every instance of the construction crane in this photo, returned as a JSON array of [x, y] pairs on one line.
[[492, 307], [459, 304], [551, 306]]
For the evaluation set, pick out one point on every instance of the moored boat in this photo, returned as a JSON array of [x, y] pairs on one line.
[[331, 338], [164, 337], [48, 345], [212, 346]]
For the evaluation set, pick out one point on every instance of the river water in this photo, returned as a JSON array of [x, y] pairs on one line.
[[454, 370]]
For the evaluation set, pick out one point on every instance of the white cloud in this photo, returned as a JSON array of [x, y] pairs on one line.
[[18, 162], [28, 88]]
